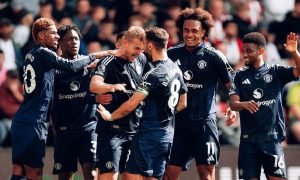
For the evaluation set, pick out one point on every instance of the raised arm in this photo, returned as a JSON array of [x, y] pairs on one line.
[[291, 47]]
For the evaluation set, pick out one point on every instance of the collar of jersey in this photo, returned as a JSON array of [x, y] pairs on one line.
[[200, 46], [260, 69]]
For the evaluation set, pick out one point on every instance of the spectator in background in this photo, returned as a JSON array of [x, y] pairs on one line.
[[106, 35], [2, 68], [170, 26], [216, 8], [293, 102], [46, 10], [21, 33], [82, 17], [233, 44], [147, 12], [242, 18], [12, 56], [10, 101], [61, 10], [94, 46], [289, 24], [92, 28], [135, 20]]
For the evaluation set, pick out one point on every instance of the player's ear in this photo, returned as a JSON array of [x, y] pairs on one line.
[[261, 50], [41, 37]]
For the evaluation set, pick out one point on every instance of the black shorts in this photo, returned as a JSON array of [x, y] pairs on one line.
[[253, 156], [112, 151], [199, 141], [148, 158], [28, 148], [71, 147]]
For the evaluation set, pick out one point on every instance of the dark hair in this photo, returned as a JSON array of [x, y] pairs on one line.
[[197, 14], [120, 35], [255, 38], [1, 51], [227, 22], [158, 36], [39, 25], [64, 29]]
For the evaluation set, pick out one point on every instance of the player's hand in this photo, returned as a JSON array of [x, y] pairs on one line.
[[231, 117], [118, 87], [291, 43], [251, 106], [103, 98], [104, 113], [93, 65]]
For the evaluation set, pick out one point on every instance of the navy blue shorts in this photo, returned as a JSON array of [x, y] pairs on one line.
[[253, 156], [71, 147], [28, 148], [199, 141], [148, 158], [112, 151]]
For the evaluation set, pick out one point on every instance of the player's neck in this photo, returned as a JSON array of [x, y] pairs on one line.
[[258, 64], [67, 56], [158, 56], [121, 53]]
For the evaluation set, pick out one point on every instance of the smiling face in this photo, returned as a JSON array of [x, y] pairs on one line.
[[49, 38], [70, 43], [251, 53], [193, 33]]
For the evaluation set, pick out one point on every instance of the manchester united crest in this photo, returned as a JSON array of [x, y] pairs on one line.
[[202, 64]]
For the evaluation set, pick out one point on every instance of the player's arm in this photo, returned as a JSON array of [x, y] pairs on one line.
[[236, 105], [182, 103], [56, 62], [126, 108], [98, 86], [291, 47]]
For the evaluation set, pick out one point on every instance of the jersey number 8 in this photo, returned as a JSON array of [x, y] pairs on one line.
[[173, 100]]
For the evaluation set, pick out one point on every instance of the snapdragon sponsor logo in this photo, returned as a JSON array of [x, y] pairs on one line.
[[194, 86], [266, 103], [71, 96]]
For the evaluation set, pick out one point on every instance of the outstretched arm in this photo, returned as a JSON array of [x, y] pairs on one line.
[[98, 86], [126, 108], [291, 47]]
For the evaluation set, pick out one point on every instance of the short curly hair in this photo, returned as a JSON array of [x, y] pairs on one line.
[[198, 14], [39, 25], [255, 38], [64, 29]]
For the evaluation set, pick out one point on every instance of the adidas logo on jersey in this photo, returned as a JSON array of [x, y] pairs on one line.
[[278, 171], [210, 158], [246, 81]]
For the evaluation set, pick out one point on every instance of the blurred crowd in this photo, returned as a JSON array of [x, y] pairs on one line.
[[100, 21]]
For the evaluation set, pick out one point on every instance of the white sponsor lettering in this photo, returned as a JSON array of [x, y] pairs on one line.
[[266, 103], [194, 86], [72, 96]]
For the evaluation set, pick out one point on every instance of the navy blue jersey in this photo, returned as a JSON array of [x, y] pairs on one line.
[[263, 86], [116, 70], [162, 84], [39, 67], [74, 107], [201, 71]]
